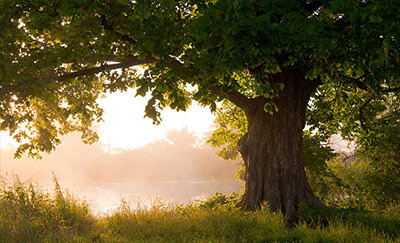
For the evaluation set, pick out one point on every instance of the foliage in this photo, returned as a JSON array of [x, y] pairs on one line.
[[363, 186], [379, 153], [219, 200], [361, 181], [370, 178], [231, 126], [57, 57], [371, 174], [43, 43], [29, 215], [322, 179]]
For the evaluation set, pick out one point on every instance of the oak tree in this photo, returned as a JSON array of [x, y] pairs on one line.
[[267, 57]]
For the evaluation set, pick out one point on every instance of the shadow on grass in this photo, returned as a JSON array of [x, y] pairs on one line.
[[386, 222]]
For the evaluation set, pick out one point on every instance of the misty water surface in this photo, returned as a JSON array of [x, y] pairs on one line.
[[105, 197], [178, 171]]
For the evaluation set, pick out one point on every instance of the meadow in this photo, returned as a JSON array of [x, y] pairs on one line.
[[30, 214]]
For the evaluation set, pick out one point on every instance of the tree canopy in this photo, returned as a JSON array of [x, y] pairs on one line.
[[56, 57]]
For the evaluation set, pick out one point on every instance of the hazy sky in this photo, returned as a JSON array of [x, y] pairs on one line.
[[125, 127]]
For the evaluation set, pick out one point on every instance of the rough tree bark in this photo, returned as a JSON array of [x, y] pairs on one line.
[[272, 149]]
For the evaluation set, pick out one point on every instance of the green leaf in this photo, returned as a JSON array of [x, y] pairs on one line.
[[124, 2], [269, 108], [146, 13], [359, 71], [376, 18], [278, 86]]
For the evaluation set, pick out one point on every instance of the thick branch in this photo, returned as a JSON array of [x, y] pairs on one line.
[[361, 115], [175, 64], [357, 82], [235, 97], [363, 86], [397, 89], [129, 62]]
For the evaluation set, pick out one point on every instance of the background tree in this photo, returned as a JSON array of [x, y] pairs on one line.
[[371, 172], [266, 57]]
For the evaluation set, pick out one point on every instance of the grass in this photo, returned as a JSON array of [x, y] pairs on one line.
[[27, 214]]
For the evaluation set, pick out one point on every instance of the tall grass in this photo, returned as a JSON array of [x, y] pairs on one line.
[[28, 214]]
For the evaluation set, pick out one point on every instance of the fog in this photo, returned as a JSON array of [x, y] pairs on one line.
[[178, 169]]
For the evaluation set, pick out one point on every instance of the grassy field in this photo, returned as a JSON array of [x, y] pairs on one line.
[[27, 214]]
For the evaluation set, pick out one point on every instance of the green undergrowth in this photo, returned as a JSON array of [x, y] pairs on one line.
[[28, 214]]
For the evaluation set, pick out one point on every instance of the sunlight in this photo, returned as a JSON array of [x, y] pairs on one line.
[[6, 141], [125, 127]]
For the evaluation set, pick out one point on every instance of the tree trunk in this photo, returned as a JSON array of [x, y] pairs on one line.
[[272, 150]]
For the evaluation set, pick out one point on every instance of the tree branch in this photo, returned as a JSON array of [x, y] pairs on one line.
[[391, 90], [360, 112], [234, 96], [128, 62], [357, 82], [363, 86]]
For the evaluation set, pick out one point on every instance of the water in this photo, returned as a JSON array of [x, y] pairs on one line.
[[103, 198]]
